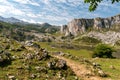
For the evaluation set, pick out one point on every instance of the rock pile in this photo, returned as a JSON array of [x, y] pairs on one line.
[[57, 64], [39, 55]]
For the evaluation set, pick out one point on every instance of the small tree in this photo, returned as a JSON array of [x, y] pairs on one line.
[[103, 51]]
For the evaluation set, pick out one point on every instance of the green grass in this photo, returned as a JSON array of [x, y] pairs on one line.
[[24, 74], [79, 53], [106, 63]]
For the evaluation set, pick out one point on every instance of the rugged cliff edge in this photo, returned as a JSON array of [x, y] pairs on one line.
[[78, 26]]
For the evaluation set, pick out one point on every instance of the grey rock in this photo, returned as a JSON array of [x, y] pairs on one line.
[[11, 77], [101, 73], [61, 64], [79, 26], [112, 67], [50, 65], [33, 76], [109, 37]]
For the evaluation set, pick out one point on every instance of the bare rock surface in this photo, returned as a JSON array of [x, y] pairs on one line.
[[79, 26]]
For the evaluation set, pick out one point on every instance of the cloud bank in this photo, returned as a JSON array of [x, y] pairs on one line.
[[54, 11]]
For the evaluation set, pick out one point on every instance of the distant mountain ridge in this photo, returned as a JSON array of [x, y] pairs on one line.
[[15, 20], [11, 20]]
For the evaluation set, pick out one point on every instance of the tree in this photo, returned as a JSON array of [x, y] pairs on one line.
[[94, 3], [103, 51]]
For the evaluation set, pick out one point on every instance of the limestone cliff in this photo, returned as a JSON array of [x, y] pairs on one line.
[[79, 26]]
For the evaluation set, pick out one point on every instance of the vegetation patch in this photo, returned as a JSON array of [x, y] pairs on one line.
[[103, 51], [87, 39]]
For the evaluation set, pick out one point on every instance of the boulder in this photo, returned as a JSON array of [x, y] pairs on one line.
[[11, 77], [58, 64], [61, 64]]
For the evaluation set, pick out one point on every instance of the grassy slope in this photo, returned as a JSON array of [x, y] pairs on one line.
[[25, 73], [80, 52], [105, 63]]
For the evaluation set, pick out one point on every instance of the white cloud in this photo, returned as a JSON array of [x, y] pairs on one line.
[[10, 9], [27, 2], [31, 21], [54, 11]]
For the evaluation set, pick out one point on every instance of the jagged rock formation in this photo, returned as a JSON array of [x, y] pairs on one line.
[[77, 26]]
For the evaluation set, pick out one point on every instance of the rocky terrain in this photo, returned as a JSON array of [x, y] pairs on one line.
[[40, 52], [109, 37], [29, 61], [79, 26]]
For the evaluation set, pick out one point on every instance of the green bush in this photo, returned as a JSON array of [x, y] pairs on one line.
[[103, 51], [90, 40]]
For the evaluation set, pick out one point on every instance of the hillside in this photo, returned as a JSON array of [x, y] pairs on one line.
[[39, 52], [22, 32], [30, 61]]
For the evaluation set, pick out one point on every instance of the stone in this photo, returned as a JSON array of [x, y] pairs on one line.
[[61, 64], [101, 73], [11, 77], [37, 68], [59, 75], [29, 56], [33, 76], [29, 43], [50, 66], [76, 78], [20, 67], [112, 67], [96, 64]]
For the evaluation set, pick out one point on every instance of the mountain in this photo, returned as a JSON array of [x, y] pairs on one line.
[[11, 20], [45, 25], [79, 26]]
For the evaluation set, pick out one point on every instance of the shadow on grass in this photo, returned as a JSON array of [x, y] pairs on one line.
[[5, 63]]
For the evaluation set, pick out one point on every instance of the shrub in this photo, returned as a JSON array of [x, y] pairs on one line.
[[90, 40], [118, 43], [103, 51]]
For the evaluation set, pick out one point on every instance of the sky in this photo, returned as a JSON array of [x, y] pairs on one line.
[[56, 12]]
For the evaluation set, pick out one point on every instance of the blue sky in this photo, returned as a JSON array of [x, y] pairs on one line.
[[56, 12]]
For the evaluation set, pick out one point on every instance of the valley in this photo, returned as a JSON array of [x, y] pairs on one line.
[[48, 52]]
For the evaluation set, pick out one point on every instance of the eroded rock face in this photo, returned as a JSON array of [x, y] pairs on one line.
[[109, 37], [79, 26]]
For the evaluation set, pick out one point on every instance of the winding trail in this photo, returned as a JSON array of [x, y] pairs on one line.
[[80, 70]]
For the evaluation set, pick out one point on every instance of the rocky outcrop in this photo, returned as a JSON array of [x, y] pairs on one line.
[[79, 26], [109, 37]]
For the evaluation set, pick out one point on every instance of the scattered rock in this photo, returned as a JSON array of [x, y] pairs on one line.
[[20, 67], [33, 76], [96, 64], [61, 64], [112, 67], [101, 73], [11, 77], [50, 65], [59, 74], [76, 78]]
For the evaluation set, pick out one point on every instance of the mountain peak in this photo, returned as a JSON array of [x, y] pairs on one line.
[[45, 24], [10, 20]]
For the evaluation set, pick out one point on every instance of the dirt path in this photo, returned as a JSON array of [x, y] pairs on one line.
[[81, 70]]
